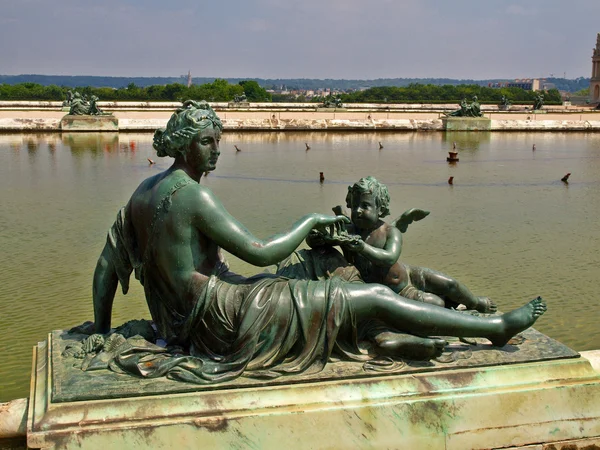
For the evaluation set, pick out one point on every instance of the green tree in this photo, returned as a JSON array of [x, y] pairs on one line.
[[253, 91]]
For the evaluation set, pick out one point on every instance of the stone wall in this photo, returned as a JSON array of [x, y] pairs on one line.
[[136, 116]]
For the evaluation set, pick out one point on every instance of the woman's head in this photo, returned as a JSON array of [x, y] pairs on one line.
[[183, 126]]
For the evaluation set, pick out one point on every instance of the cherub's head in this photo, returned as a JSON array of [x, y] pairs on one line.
[[365, 189]]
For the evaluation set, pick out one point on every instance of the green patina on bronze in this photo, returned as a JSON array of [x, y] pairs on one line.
[[538, 103], [217, 325], [472, 109], [80, 105], [505, 103]]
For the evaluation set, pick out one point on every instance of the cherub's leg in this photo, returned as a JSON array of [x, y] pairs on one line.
[[412, 293], [390, 342], [433, 299], [373, 301], [407, 346], [440, 284]]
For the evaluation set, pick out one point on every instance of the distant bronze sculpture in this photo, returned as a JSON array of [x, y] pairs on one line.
[[467, 110], [239, 98], [538, 103], [69, 99], [504, 103], [218, 325], [332, 101], [80, 106]]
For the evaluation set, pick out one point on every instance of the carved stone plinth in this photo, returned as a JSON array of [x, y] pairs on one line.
[[467, 123], [238, 104], [89, 123], [537, 392]]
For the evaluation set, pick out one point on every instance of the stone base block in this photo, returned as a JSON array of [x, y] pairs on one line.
[[238, 104], [467, 123], [463, 406], [89, 123]]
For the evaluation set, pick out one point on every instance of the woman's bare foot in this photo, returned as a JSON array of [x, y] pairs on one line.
[[485, 305], [408, 346], [517, 320]]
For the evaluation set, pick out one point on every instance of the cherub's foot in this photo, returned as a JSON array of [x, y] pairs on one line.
[[518, 320], [485, 305], [408, 346]]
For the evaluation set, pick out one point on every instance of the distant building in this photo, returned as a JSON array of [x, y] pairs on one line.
[[595, 80], [528, 84], [189, 80]]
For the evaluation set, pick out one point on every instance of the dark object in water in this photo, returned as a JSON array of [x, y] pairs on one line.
[[452, 157]]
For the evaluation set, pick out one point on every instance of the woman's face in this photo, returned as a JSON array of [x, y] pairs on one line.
[[204, 150]]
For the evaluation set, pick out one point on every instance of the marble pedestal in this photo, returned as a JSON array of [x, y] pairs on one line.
[[518, 396], [467, 123], [89, 123]]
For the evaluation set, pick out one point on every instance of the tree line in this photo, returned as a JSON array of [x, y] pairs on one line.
[[218, 91], [429, 93], [221, 90]]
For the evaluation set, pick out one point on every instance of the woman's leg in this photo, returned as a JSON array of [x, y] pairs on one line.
[[374, 301]]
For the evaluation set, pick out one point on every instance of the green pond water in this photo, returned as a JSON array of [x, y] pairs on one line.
[[508, 227]]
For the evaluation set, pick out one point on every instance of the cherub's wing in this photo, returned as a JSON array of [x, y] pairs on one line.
[[408, 217]]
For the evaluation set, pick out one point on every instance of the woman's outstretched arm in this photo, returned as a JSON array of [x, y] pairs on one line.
[[213, 220]]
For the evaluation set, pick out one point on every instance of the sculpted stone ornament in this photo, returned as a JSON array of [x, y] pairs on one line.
[[213, 325], [467, 110]]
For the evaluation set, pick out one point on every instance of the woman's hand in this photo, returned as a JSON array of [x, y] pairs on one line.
[[330, 225]]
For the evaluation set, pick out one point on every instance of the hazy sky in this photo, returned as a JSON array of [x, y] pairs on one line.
[[353, 39]]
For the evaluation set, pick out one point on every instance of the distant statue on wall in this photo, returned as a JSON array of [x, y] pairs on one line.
[[332, 101], [538, 103], [504, 103], [239, 98], [69, 98], [81, 106], [467, 110]]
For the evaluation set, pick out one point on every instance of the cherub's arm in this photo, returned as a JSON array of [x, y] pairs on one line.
[[386, 256]]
